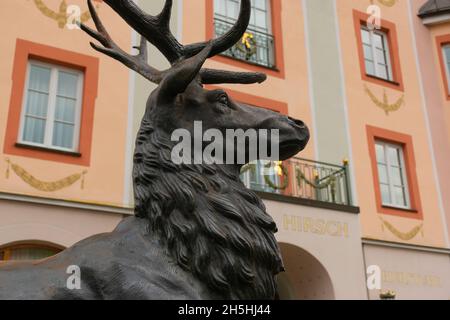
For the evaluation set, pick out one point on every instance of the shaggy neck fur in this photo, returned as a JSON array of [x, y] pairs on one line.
[[212, 225]]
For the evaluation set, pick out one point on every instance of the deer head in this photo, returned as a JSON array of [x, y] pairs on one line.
[[212, 225], [181, 98]]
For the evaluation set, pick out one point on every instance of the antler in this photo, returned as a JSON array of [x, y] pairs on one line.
[[137, 63], [227, 40], [156, 30]]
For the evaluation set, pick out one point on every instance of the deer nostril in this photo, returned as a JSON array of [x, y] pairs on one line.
[[296, 122]]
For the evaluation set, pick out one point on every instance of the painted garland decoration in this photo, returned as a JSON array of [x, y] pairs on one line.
[[247, 45], [281, 170], [384, 104], [330, 182], [387, 3], [61, 17], [43, 185], [405, 236], [284, 172]]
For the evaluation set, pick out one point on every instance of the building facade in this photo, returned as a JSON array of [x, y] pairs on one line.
[[365, 210]]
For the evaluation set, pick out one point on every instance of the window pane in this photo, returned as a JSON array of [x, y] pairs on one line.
[[397, 177], [447, 58], [232, 8], [63, 135], [220, 7], [33, 130], [385, 194], [400, 198], [67, 85], [393, 154], [447, 54], [370, 68], [38, 90], [37, 104], [380, 56], [382, 71], [260, 4], [260, 19], [39, 79], [382, 174], [378, 41], [65, 110], [380, 153], [365, 37], [368, 54]]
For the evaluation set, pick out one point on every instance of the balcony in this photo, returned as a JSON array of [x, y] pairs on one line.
[[255, 47], [315, 183]]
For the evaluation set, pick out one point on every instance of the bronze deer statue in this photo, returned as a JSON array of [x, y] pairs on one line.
[[198, 232]]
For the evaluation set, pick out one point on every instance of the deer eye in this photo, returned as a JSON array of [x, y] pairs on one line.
[[223, 99]]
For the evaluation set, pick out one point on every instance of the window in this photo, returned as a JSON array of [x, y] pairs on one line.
[[396, 187], [52, 107], [27, 252], [376, 54], [391, 175], [443, 47], [51, 114], [446, 55], [257, 46]]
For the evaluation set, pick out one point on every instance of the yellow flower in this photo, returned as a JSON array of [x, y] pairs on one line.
[[278, 169], [246, 40]]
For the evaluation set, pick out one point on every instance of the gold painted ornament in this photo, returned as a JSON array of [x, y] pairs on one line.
[[384, 104], [405, 236], [61, 17], [279, 169], [43, 185], [386, 3]]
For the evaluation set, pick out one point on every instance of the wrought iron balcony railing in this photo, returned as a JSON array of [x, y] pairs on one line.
[[255, 47], [300, 178]]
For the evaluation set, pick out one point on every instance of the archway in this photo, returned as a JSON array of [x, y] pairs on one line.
[[305, 277], [28, 251]]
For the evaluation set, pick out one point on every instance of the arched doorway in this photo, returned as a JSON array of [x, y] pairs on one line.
[[28, 251], [305, 277]]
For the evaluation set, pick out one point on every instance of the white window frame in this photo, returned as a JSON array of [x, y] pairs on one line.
[[385, 36], [403, 168], [447, 71], [50, 120]]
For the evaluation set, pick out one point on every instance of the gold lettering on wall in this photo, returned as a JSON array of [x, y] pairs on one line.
[[411, 279], [320, 227]]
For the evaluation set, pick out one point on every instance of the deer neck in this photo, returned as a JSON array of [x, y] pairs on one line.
[[211, 224]]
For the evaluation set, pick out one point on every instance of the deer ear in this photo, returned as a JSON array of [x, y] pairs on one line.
[[178, 78]]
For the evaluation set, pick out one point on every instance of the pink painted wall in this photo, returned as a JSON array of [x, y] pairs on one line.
[[293, 89], [437, 105], [105, 176], [409, 119]]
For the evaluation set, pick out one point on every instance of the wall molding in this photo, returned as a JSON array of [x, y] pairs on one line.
[[105, 208], [395, 245]]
